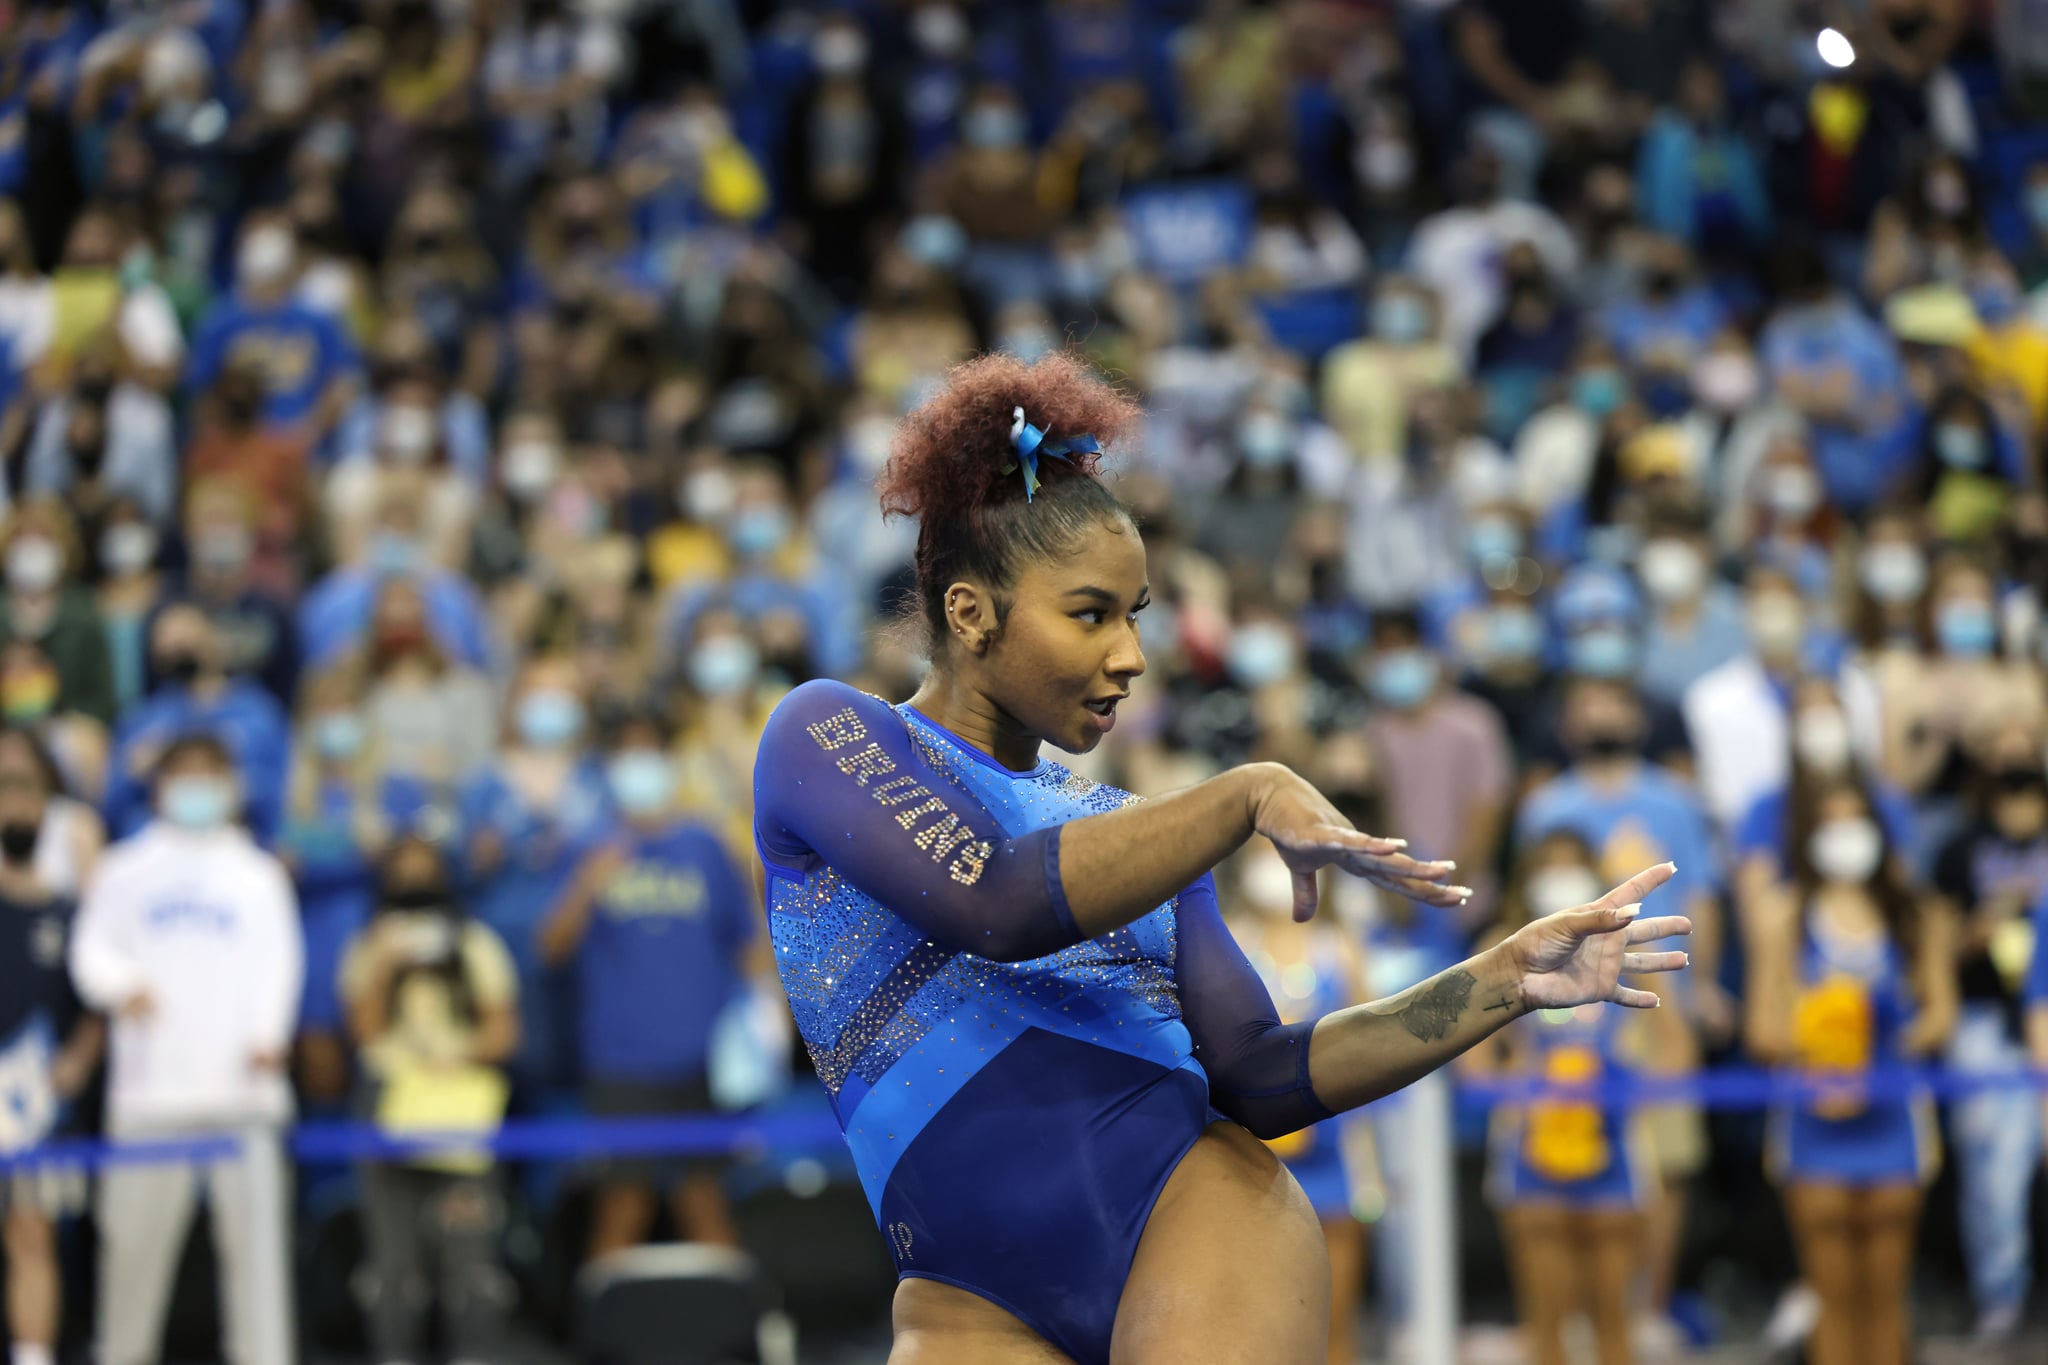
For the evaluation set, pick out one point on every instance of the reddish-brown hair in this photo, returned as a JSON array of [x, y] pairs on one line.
[[952, 466]]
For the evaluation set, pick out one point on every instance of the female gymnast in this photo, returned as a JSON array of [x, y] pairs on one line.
[[1050, 1059]]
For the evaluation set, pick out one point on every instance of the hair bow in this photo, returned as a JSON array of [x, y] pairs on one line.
[[1031, 445]]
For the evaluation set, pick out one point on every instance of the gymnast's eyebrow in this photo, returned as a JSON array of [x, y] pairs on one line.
[[1108, 598]]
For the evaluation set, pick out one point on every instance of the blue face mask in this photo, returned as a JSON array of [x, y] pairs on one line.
[[759, 530], [1081, 279], [993, 126], [1260, 654], [1602, 652], [642, 781], [723, 666], [1403, 678], [1599, 391], [197, 802], [1491, 538], [1513, 634], [338, 734], [549, 719], [393, 556], [935, 240], [1960, 445], [1401, 319], [1266, 439], [1966, 630]]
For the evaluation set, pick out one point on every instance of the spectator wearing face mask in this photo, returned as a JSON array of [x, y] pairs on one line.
[[334, 615], [1370, 384], [1990, 877], [1504, 643], [49, 1047], [432, 998], [1827, 747], [428, 718], [197, 692], [409, 458], [1970, 466], [1459, 252], [1557, 448], [2010, 351], [840, 155], [131, 588], [220, 578], [525, 821], [1850, 969], [189, 937], [1597, 614], [774, 569], [1829, 362], [1409, 537], [988, 184], [1695, 619], [29, 697], [409, 370], [232, 444], [105, 437], [1786, 520], [44, 603], [90, 298], [661, 927], [307, 365], [1444, 755]]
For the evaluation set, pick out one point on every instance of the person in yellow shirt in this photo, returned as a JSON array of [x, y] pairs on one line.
[[1370, 384], [2010, 349]]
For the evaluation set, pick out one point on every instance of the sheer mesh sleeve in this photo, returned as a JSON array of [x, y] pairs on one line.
[[838, 781], [1258, 1066]]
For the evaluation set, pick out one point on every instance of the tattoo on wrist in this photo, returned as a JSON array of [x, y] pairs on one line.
[[1437, 1005]]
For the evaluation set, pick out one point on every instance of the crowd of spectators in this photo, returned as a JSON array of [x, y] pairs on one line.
[[433, 434]]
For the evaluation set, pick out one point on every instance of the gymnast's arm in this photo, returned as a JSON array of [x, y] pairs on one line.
[[1276, 1078], [839, 780]]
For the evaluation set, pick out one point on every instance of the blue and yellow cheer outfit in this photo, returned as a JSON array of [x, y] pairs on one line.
[[1015, 1094]]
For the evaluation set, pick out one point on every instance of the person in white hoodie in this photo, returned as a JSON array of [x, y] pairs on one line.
[[188, 937]]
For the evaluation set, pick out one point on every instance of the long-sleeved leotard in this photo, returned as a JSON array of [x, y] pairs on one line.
[[1014, 1095]]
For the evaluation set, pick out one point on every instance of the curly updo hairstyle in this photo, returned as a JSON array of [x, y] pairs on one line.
[[947, 468]]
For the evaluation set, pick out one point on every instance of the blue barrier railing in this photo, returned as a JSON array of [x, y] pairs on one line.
[[568, 1139]]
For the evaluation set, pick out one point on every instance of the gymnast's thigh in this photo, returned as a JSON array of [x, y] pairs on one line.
[[1232, 1268], [940, 1324]]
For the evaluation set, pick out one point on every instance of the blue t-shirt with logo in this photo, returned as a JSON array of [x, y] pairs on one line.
[[299, 349], [661, 958], [1651, 817]]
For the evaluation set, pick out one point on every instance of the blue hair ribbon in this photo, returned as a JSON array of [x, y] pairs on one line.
[[1031, 446]]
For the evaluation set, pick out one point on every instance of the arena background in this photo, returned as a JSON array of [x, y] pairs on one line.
[[434, 399]]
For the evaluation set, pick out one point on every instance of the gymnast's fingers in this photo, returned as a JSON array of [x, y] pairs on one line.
[[1632, 891], [1634, 963], [1304, 895], [1429, 893], [1634, 999], [1663, 926]]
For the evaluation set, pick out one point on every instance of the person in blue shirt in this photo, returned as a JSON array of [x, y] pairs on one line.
[[1695, 619], [198, 693], [660, 925], [1840, 370], [336, 613], [1598, 613], [526, 820], [1696, 178], [308, 361], [1046, 1052]]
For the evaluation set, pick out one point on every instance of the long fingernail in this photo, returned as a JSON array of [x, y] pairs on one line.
[[1672, 866], [1630, 911], [1398, 843], [1463, 891]]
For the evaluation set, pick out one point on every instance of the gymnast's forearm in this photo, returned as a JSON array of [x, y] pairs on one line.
[[1120, 866], [1359, 1054]]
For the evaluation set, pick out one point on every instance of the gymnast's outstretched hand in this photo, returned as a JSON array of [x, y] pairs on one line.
[[1311, 834], [1578, 957]]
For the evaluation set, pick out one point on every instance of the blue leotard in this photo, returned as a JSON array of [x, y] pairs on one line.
[[1853, 1141], [1518, 1169], [1015, 1096]]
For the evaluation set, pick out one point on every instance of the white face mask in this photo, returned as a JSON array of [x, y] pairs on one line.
[[1671, 570], [528, 468], [1776, 626], [1553, 889], [128, 548], [1820, 736], [266, 256], [1846, 850], [1892, 571], [34, 564], [708, 496], [1726, 381], [408, 433], [1792, 491]]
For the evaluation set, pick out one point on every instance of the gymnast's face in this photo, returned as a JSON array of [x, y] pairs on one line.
[[1067, 650]]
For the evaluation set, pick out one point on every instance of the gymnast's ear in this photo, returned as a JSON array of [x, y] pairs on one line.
[[970, 617]]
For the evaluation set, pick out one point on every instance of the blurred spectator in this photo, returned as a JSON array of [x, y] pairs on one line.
[[1599, 619], [1849, 972], [1514, 58], [408, 372], [840, 159], [29, 697], [45, 604], [1443, 756], [987, 189], [661, 926], [1990, 877], [1229, 63], [89, 299], [189, 936], [221, 578], [265, 462], [410, 459], [49, 1048], [1409, 536], [1298, 244], [1370, 384], [337, 612], [432, 1000], [426, 716], [1971, 468], [105, 437], [198, 693], [305, 362], [1696, 177], [526, 819], [1695, 619], [1459, 252]]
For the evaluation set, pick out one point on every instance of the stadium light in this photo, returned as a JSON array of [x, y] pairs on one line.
[[1835, 48]]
